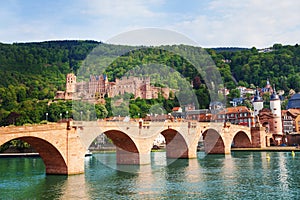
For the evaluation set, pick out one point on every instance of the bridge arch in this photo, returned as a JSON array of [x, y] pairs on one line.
[[53, 159], [176, 146], [213, 142], [126, 149], [241, 140]]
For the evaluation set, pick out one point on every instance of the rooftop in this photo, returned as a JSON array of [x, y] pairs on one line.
[[294, 101]]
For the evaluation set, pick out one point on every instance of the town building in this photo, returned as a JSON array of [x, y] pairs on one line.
[[202, 115], [239, 115], [244, 91], [271, 118], [287, 121], [268, 88]]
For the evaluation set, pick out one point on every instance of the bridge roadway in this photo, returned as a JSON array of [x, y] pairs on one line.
[[62, 146]]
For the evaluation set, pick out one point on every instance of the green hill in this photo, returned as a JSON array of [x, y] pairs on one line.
[[31, 73]]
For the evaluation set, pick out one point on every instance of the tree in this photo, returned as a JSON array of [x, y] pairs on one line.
[[134, 110], [234, 93], [101, 111]]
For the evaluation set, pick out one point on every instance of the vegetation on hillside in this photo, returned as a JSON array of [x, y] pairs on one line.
[[31, 73]]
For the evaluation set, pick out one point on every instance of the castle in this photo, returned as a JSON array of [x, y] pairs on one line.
[[98, 87]]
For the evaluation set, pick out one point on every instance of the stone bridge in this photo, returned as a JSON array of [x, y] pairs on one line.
[[62, 146]]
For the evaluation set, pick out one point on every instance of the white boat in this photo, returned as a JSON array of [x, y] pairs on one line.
[[88, 153]]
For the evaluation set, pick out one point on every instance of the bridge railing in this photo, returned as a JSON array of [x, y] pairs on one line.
[[32, 128]]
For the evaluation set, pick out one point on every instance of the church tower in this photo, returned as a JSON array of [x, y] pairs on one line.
[[258, 103], [275, 107]]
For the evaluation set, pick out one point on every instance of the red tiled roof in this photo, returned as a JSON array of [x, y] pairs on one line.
[[238, 109], [294, 111], [175, 108]]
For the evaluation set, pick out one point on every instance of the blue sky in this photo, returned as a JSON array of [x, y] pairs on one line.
[[210, 23]]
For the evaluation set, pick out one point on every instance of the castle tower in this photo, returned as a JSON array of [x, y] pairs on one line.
[[71, 83], [275, 107], [258, 103]]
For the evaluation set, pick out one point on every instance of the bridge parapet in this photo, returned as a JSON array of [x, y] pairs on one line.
[[33, 128]]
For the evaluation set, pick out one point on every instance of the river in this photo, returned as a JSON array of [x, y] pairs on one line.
[[241, 175]]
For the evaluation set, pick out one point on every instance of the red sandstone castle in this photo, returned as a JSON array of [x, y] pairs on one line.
[[99, 87]]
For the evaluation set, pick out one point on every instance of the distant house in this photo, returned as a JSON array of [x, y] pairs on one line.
[[216, 107], [244, 91], [287, 122], [177, 109], [202, 115], [224, 91], [239, 115], [237, 101]]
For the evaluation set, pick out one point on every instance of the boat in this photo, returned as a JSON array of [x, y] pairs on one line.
[[88, 153]]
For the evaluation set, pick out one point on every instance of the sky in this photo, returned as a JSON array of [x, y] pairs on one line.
[[210, 23]]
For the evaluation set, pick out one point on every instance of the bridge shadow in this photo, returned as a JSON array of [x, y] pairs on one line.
[[52, 158], [213, 143]]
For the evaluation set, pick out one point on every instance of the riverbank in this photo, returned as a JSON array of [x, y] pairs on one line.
[[272, 148], [5, 155]]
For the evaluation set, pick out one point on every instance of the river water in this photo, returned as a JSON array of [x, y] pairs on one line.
[[241, 175]]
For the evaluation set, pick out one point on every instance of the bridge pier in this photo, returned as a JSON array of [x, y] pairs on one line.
[[258, 135], [75, 153]]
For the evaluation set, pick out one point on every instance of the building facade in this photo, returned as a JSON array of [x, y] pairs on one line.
[[239, 115], [271, 118], [98, 87]]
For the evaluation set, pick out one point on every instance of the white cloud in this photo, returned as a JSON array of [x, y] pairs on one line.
[[245, 23], [120, 8]]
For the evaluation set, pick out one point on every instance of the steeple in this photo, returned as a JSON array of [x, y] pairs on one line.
[[257, 96], [274, 95], [258, 103], [268, 82]]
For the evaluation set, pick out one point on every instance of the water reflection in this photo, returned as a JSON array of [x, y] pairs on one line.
[[75, 187], [146, 181], [241, 175]]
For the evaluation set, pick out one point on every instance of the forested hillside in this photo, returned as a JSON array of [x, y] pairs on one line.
[[281, 64], [31, 73]]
